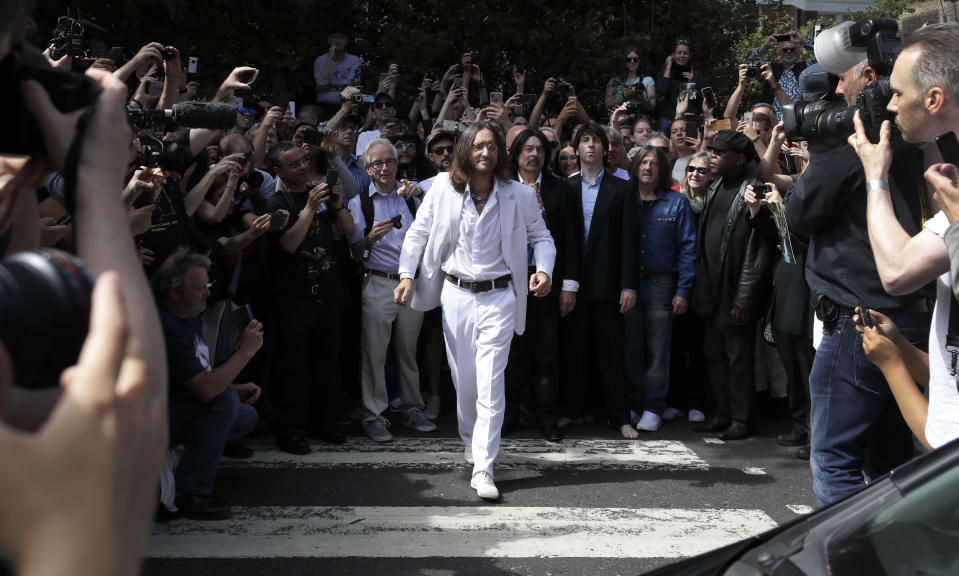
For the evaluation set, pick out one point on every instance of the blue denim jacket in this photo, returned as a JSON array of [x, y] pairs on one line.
[[667, 238]]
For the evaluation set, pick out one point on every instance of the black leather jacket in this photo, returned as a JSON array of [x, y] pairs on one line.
[[746, 259]]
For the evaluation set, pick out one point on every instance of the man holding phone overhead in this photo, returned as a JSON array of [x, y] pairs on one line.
[[786, 69], [382, 215]]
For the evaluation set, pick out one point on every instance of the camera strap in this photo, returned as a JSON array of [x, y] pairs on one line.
[[952, 334], [72, 161]]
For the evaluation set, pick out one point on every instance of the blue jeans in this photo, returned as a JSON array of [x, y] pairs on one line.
[[855, 426], [648, 335], [204, 428]]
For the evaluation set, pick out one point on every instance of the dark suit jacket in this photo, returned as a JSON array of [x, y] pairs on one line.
[[565, 228], [609, 262]]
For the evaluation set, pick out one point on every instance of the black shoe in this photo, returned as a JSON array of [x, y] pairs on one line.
[[803, 452], [797, 437], [550, 432], [293, 444], [326, 433], [164, 514], [736, 431], [237, 449], [202, 508], [713, 424]]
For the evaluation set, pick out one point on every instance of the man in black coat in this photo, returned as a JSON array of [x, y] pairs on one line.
[[607, 287], [533, 367], [732, 275]]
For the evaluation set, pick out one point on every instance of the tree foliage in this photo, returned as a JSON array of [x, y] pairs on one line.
[[582, 41]]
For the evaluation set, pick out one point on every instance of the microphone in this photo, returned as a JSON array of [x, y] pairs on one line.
[[213, 116]]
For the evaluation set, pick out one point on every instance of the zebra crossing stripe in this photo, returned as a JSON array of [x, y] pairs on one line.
[[434, 453], [457, 532]]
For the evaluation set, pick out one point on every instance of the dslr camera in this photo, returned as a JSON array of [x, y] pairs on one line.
[[754, 70], [824, 123]]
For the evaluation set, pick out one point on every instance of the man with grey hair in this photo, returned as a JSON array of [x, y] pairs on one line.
[[206, 408], [856, 433], [617, 153], [382, 215]]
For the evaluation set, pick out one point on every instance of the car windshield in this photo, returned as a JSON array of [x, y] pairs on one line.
[[916, 534]]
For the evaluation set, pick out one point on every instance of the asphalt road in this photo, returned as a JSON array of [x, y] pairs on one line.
[[595, 504]]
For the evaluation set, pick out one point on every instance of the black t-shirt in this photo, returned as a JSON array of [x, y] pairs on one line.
[[170, 227], [187, 352], [319, 236]]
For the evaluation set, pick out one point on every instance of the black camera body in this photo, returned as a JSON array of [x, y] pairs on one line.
[[825, 124], [69, 92], [754, 70], [158, 154]]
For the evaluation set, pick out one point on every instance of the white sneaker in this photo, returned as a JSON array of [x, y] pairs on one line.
[[432, 410], [649, 422], [468, 454], [482, 482], [671, 413], [696, 416]]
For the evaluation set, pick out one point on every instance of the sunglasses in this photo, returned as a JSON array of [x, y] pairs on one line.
[[442, 150], [382, 104], [787, 49], [247, 111], [697, 169], [406, 146], [632, 58], [682, 41]]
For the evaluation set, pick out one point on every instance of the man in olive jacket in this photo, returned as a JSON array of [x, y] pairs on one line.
[[732, 277]]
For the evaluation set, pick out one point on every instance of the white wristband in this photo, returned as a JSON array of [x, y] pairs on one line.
[[877, 185]]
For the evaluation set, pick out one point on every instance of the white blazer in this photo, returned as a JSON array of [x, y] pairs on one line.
[[435, 229]]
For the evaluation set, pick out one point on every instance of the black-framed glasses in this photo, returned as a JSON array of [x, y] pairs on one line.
[[247, 111], [438, 150], [382, 163], [632, 58], [697, 169], [382, 104]]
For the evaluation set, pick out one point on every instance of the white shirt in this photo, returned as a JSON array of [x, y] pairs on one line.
[[942, 420], [478, 254], [342, 73]]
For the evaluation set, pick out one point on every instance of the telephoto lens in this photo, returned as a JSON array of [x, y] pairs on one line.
[[44, 314]]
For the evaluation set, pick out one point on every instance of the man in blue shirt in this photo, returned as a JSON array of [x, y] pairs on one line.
[[667, 264]]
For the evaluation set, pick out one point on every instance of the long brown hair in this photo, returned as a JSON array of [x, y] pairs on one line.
[[461, 170]]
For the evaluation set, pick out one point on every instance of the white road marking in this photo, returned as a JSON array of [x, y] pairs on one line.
[[800, 508], [457, 532], [713, 441], [755, 471], [426, 453]]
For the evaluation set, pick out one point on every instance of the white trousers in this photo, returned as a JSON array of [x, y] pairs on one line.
[[381, 319], [478, 329]]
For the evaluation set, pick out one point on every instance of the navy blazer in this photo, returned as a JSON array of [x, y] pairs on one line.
[[609, 254]]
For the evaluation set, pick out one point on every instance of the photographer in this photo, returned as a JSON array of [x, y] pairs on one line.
[[925, 85], [78, 495], [307, 291], [336, 69], [852, 432], [782, 83]]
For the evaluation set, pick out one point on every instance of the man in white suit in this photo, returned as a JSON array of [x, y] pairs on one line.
[[473, 232]]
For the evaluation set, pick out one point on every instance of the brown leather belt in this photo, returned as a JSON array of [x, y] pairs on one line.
[[389, 275], [481, 286]]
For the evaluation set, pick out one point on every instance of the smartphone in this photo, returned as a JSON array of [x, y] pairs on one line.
[[292, 106], [249, 77], [495, 97], [864, 317], [709, 97], [525, 99], [677, 71], [457, 83], [154, 89], [761, 190], [816, 30], [246, 157], [783, 37], [191, 65], [237, 102], [948, 147], [721, 124], [397, 221], [748, 117], [332, 176], [277, 221], [450, 125], [692, 129], [64, 220]]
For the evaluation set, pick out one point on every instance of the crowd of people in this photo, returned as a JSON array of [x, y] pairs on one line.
[[326, 264]]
